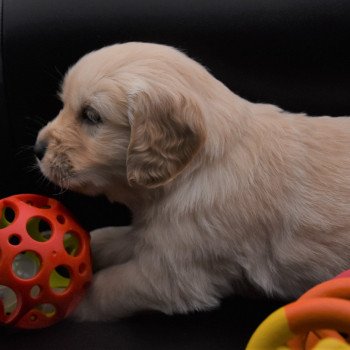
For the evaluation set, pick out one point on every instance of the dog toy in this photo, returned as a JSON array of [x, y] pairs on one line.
[[317, 320], [45, 261]]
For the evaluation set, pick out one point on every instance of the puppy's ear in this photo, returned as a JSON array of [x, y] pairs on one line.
[[167, 130]]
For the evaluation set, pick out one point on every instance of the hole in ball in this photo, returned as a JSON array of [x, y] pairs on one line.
[[71, 243], [61, 219], [8, 300], [82, 268], [15, 239], [39, 229], [49, 310], [35, 291], [7, 217], [26, 264], [60, 279], [37, 201]]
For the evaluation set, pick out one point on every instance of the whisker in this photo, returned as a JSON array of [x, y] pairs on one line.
[[54, 74], [40, 181], [62, 188], [23, 149], [33, 167], [39, 121], [61, 75]]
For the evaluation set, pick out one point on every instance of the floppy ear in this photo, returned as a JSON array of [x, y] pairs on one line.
[[167, 130]]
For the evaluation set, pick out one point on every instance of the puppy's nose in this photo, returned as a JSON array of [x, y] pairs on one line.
[[40, 149]]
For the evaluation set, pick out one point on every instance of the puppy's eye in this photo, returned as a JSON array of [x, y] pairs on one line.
[[90, 116]]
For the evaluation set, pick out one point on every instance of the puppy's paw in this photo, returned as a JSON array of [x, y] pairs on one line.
[[101, 302], [89, 309], [84, 312]]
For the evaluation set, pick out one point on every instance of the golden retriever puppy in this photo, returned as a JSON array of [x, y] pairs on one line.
[[226, 194]]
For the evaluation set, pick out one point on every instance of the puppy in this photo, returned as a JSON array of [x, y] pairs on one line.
[[226, 195]]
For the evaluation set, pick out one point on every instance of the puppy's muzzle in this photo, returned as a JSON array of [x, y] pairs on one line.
[[40, 149]]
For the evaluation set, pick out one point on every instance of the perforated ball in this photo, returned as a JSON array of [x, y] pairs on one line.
[[45, 261]]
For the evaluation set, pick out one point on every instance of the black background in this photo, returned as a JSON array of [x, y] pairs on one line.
[[292, 53]]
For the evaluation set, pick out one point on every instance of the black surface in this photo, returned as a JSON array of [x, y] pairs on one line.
[[293, 53], [227, 328]]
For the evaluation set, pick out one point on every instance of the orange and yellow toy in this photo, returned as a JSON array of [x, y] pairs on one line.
[[318, 320], [45, 261]]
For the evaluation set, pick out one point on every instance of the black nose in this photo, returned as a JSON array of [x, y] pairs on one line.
[[40, 149]]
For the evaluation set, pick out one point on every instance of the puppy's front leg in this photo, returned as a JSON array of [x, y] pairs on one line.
[[112, 246], [148, 282]]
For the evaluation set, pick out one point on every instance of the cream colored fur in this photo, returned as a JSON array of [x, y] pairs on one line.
[[226, 194]]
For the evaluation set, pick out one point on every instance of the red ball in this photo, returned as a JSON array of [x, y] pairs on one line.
[[45, 261]]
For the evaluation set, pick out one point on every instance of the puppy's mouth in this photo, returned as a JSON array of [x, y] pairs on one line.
[[59, 171]]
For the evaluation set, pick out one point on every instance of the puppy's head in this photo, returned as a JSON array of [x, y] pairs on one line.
[[129, 119]]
